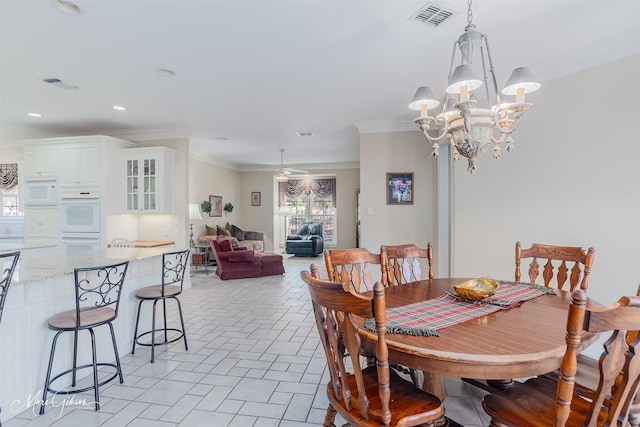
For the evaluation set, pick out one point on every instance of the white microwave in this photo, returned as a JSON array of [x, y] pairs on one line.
[[40, 192]]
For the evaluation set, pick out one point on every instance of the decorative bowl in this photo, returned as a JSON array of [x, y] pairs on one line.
[[476, 289]]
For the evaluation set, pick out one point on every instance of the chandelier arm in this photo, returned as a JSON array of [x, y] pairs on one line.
[[503, 136], [437, 138], [511, 129]]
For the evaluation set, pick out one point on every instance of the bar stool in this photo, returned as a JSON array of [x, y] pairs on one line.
[[174, 264], [98, 291], [8, 264]]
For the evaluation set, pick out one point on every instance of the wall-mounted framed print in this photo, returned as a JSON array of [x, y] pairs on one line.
[[400, 188], [255, 198], [216, 205]]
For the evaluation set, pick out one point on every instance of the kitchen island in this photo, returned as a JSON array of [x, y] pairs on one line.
[[44, 286]]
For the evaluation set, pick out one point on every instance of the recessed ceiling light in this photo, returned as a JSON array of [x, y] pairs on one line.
[[67, 7], [220, 138], [304, 133], [119, 108], [34, 114], [166, 72]]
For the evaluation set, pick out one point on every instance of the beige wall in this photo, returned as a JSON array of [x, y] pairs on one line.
[[206, 178], [391, 224], [573, 179]]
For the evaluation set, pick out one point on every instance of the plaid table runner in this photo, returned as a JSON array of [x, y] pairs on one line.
[[427, 317]]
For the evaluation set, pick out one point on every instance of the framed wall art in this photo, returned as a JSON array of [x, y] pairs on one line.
[[255, 198], [400, 188], [216, 205]]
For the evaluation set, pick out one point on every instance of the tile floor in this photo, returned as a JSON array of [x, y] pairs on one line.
[[254, 359]]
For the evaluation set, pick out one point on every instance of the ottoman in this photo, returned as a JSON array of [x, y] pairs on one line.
[[271, 264]]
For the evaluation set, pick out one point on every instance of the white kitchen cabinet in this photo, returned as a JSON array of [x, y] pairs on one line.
[[40, 162], [150, 180], [41, 224], [80, 166]]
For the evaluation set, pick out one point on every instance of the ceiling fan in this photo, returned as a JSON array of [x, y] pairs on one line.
[[284, 171]]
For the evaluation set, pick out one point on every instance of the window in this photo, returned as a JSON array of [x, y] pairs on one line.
[[10, 202], [310, 199], [9, 190]]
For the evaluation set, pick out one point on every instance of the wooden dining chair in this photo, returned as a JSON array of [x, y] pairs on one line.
[[351, 267], [581, 259], [401, 263], [560, 255], [364, 396], [531, 404]]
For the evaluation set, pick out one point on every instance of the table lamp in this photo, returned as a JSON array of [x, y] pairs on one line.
[[194, 213]]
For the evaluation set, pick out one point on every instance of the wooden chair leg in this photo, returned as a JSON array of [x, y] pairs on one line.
[[330, 417]]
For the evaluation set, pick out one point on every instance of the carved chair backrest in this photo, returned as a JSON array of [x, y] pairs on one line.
[[619, 364], [98, 287], [8, 264], [401, 263], [581, 259], [174, 265], [333, 307], [351, 267]]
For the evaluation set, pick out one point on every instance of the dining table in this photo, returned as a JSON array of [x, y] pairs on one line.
[[521, 340]]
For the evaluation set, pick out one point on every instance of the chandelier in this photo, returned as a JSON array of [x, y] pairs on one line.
[[282, 177], [472, 128]]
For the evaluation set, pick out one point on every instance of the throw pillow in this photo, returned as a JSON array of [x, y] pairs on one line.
[[242, 256], [211, 231], [223, 232], [234, 242], [227, 227], [237, 232], [225, 245]]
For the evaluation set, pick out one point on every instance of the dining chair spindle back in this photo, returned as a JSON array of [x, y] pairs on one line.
[[401, 263], [351, 267], [372, 395], [531, 404], [581, 259]]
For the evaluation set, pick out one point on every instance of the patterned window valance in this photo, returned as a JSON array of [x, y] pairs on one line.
[[8, 175], [323, 187]]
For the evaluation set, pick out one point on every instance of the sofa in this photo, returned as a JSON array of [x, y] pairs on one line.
[[240, 262], [308, 241], [253, 240]]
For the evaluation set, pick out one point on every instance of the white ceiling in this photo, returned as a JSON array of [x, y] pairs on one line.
[[257, 72]]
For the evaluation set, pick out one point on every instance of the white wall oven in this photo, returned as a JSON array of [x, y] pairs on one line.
[[81, 242], [79, 213]]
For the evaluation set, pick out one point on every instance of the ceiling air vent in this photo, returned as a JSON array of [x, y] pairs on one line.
[[432, 15], [59, 83]]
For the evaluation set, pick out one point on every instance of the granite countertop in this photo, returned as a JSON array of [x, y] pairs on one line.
[[151, 243], [58, 264], [21, 246]]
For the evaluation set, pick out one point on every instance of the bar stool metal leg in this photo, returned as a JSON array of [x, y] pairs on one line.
[[48, 377], [184, 331]]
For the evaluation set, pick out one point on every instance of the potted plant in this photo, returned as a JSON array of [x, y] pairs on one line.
[[206, 206], [228, 207]]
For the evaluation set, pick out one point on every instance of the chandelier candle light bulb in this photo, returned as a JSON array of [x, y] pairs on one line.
[[471, 128]]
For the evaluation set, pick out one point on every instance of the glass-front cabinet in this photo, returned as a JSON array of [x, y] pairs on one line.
[[150, 180]]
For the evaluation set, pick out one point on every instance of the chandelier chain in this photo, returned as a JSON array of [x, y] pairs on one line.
[[469, 13]]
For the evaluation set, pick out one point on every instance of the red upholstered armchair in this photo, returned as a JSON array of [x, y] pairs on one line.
[[234, 264]]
